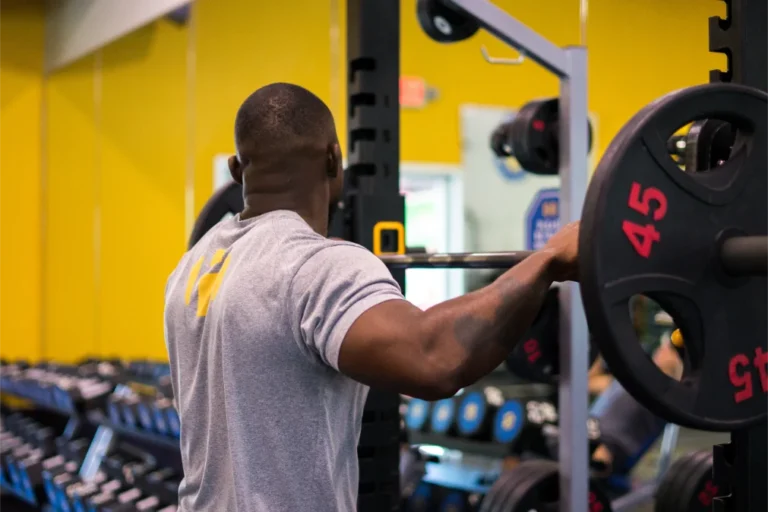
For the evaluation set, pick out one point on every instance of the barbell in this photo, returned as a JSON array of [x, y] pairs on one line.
[[739, 256], [694, 241]]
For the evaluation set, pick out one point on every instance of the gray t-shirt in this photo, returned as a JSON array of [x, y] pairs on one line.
[[255, 315]]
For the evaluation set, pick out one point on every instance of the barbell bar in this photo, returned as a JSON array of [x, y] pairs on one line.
[[740, 256]]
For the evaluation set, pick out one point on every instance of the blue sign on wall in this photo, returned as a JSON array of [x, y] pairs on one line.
[[542, 219]]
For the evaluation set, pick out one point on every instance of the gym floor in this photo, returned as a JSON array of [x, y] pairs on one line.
[[688, 441]]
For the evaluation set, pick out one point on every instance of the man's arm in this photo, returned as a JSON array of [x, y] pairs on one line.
[[432, 354]]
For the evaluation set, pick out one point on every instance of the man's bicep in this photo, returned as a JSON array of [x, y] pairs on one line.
[[383, 349], [332, 289]]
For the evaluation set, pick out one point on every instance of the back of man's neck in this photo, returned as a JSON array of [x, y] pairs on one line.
[[317, 224]]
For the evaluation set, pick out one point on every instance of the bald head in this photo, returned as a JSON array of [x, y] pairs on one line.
[[287, 150], [282, 115]]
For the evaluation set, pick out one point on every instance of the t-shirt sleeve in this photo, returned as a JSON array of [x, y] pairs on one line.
[[331, 290]]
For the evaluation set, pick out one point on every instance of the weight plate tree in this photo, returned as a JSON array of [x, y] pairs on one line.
[[648, 228]]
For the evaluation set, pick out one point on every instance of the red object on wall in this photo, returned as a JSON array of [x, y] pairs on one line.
[[413, 92]]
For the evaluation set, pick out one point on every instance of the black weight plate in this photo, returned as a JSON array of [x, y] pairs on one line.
[[444, 24], [673, 483], [722, 319], [535, 137], [707, 144], [695, 495], [678, 478], [534, 142], [228, 199], [500, 138], [537, 488], [537, 356], [519, 499], [503, 495]]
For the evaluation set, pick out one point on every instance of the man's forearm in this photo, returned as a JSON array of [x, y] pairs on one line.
[[467, 337]]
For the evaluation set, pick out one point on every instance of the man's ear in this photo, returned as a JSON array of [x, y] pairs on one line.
[[235, 169], [333, 162]]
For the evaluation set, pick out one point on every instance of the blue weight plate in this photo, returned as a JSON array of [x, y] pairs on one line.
[[471, 414], [508, 422], [417, 414], [443, 416]]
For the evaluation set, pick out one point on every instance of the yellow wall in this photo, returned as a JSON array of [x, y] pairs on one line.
[[21, 54], [116, 151], [132, 131]]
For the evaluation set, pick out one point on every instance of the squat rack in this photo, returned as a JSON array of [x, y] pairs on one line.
[[372, 196]]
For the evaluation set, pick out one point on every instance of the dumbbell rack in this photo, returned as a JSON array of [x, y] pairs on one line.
[[90, 423]]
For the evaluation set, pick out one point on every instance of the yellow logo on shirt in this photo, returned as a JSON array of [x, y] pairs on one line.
[[208, 284]]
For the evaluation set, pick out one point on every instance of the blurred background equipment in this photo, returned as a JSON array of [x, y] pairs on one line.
[[147, 93]]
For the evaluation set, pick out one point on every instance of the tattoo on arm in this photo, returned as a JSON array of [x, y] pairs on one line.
[[517, 302]]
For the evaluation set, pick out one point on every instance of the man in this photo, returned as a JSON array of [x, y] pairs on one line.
[[274, 332]]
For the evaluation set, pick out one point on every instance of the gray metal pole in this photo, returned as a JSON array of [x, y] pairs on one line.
[[574, 337]]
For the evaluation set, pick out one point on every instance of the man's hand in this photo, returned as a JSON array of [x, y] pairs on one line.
[[564, 245]]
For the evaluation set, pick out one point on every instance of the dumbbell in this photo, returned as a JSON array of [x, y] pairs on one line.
[[95, 501], [520, 425], [174, 422], [128, 409], [166, 419], [18, 423], [476, 413], [55, 489], [417, 415], [130, 468], [169, 508], [11, 463], [148, 504], [443, 417], [163, 483], [125, 501], [50, 468], [508, 422], [114, 409], [91, 392], [144, 413], [31, 467], [78, 493], [73, 450]]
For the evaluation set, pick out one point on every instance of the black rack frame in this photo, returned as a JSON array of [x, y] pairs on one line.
[[741, 467], [372, 195]]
